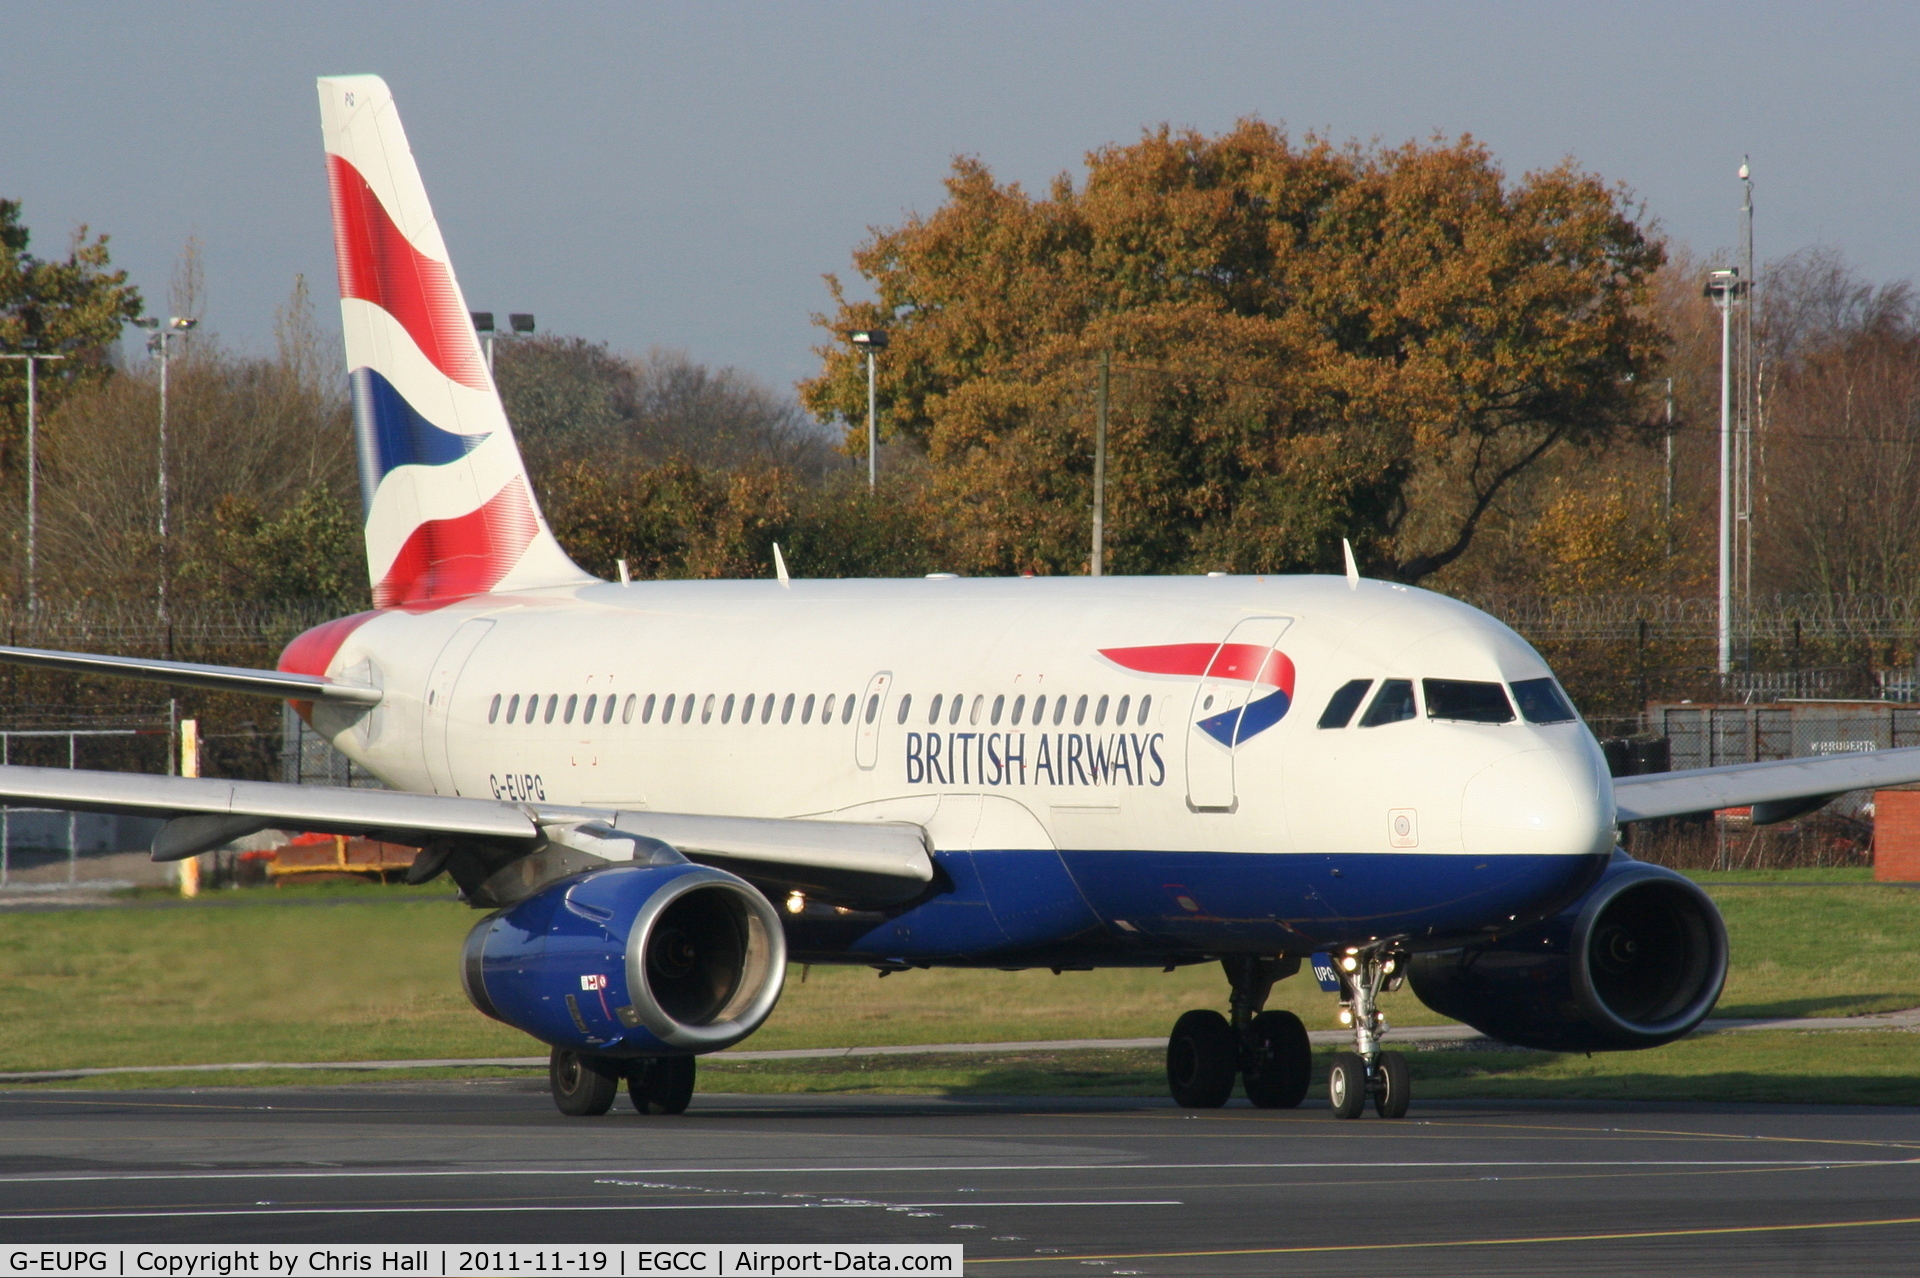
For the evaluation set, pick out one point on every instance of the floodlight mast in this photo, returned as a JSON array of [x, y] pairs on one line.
[[32, 360], [871, 340], [1723, 287], [160, 346]]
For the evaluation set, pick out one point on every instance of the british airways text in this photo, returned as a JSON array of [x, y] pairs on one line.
[[1045, 758]]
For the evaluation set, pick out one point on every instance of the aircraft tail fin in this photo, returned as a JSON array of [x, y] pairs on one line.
[[448, 506]]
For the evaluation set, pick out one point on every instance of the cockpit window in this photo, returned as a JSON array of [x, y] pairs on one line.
[[1541, 701], [1340, 707], [1393, 703], [1467, 701]]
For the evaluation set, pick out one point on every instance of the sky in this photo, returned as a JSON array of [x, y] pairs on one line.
[[682, 176]]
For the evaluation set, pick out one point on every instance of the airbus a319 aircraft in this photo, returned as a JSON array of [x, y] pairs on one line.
[[662, 793]]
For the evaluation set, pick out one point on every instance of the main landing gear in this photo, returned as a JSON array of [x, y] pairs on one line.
[[585, 1086], [1365, 972], [1267, 1051]]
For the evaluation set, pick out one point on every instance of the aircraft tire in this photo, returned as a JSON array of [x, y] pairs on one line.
[[1392, 1085], [583, 1086], [1278, 1066], [1347, 1085], [662, 1084], [1203, 1057]]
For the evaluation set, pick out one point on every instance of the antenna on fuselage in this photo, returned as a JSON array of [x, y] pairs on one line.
[[780, 568], [1353, 569]]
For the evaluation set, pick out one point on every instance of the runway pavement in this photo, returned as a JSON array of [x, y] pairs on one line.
[[1032, 1187]]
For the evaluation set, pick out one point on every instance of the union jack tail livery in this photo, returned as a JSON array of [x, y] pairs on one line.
[[449, 511]]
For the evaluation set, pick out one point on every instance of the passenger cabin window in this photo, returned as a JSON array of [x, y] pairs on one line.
[[1146, 704], [686, 707], [1080, 710], [806, 711], [979, 705], [933, 712], [1392, 704], [513, 708], [1060, 709], [959, 703], [606, 715], [493, 711], [1019, 704], [847, 705], [1466, 701], [1100, 712], [586, 716], [999, 704], [553, 704], [573, 703], [1541, 701], [766, 707], [1120, 712], [626, 716], [1345, 700], [906, 704], [786, 709]]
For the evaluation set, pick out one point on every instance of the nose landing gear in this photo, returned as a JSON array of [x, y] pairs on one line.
[[1268, 1051], [1364, 973]]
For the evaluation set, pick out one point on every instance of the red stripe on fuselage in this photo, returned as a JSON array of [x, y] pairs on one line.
[[467, 555], [379, 265], [1251, 662]]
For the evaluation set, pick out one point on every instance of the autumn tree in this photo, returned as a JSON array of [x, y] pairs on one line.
[[72, 306], [1308, 341]]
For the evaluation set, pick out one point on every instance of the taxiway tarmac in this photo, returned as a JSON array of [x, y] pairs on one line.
[[1032, 1187]]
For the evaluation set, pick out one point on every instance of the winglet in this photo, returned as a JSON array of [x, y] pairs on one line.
[[780, 568], [1353, 569]]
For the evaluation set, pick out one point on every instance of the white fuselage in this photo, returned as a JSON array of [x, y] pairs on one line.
[[451, 675]]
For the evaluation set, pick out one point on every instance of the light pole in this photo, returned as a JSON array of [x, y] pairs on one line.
[[1096, 566], [871, 340], [160, 344], [1723, 287], [520, 323], [33, 360]]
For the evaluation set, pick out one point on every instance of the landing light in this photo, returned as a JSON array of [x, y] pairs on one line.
[[1346, 1017], [796, 902], [1350, 963]]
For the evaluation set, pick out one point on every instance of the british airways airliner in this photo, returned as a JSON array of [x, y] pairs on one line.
[[662, 793]]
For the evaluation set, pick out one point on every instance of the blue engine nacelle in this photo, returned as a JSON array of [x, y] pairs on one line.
[[1637, 962], [653, 960]]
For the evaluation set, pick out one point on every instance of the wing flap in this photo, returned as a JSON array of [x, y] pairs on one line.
[[261, 683], [1665, 794]]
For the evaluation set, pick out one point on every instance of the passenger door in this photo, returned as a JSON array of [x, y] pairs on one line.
[[1217, 702]]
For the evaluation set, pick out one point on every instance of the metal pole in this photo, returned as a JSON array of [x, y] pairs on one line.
[[33, 470], [873, 427], [1726, 482], [1666, 505], [33, 475], [1096, 565], [165, 344]]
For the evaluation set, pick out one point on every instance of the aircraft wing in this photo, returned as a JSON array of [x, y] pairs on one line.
[[1777, 791], [265, 683], [866, 863]]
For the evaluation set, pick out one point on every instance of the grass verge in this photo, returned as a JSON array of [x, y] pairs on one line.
[[357, 972]]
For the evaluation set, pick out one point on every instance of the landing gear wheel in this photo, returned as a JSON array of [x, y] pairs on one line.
[[1202, 1058], [582, 1085], [662, 1084], [1279, 1061], [1391, 1085], [1347, 1085]]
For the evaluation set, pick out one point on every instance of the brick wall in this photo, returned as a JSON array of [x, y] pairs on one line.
[[1896, 836]]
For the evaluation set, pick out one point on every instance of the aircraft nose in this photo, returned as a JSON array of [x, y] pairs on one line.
[[1545, 802]]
